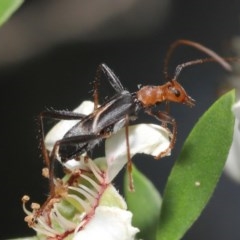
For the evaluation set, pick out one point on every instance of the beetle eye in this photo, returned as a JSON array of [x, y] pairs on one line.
[[177, 93]]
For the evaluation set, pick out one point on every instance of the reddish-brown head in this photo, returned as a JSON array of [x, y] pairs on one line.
[[174, 92], [171, 91]]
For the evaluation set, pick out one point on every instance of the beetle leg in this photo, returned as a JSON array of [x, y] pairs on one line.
[[112, 79], [129, 162], [68, 141], [53, 114], [165, 118]]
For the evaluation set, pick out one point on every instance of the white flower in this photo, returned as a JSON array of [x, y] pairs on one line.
[[143, 138], [232, 167], [85, 204], [109, 223]]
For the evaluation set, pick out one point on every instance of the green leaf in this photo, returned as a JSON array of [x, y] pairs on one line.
[[144, 203], [7, 8], [198, 169]]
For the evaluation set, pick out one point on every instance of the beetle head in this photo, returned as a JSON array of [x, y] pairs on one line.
[[176, 93]]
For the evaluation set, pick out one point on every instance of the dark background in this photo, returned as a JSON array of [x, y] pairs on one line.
[[59, 74]]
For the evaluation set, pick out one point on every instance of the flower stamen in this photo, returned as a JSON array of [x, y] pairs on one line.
[[81, 190]]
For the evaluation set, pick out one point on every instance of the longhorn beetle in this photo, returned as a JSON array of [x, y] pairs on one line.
[[123, 107]]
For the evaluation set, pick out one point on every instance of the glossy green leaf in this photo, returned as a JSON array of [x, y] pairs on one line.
[[144, 203], [7, 8], [198, 169]]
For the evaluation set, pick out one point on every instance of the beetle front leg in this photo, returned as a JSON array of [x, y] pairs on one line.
[[165, 119]]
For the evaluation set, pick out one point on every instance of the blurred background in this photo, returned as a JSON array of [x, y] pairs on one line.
[[49, 51]]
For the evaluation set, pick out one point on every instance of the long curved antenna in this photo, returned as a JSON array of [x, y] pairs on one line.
[[180, 67], [198, 46]]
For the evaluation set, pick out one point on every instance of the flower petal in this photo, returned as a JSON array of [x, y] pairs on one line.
[[143, 138], [108, 223], [232, 167]]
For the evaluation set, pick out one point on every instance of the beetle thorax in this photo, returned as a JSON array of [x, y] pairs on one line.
[[150, 95]]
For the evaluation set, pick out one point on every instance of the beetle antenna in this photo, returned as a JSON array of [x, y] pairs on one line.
[[198, 46], [180, 67]]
